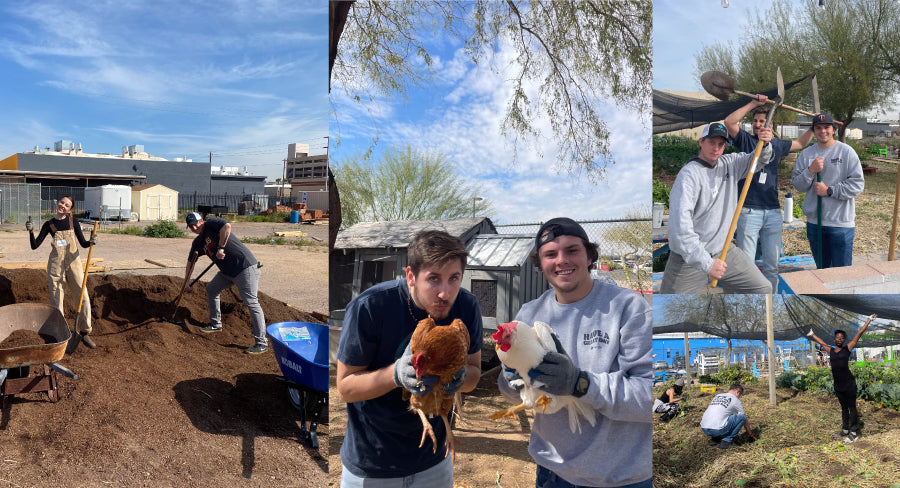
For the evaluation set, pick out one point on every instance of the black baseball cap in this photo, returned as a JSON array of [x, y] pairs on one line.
[[560, 226], [192, 218], [822, 119], [716, 129]]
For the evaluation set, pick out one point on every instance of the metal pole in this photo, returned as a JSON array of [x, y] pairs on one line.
[[770, 339]]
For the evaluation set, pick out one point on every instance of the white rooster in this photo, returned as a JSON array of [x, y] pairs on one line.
[[522, 347]]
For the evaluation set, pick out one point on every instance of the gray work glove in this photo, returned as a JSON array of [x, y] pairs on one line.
[[458, 379], [557, 372], [512, 377], [405, 375], [93, 239], [29, 226]]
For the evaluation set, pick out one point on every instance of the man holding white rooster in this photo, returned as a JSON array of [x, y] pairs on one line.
[[602, 356]]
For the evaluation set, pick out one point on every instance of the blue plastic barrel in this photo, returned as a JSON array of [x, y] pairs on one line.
[[295, 217]]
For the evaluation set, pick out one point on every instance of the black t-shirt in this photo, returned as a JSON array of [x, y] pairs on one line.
[[237, 256], [840, 369]]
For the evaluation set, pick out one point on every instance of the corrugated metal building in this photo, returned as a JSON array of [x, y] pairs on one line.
[[501, 276], [498, 271]]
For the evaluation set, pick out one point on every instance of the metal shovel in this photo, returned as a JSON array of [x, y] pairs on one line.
[[721, 86]]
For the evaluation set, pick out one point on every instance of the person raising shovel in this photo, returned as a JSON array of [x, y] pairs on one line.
[[64, 266], [844, 381]]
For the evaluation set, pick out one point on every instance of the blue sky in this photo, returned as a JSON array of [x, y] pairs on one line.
[[241, 79], [460, 116], [681, 28]]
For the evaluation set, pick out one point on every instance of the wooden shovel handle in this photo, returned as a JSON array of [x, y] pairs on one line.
[[740, 205], [792, 109], [87, 268]]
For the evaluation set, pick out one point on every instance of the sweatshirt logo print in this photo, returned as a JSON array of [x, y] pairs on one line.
[[595, 337], [723, 400], [836, 161]]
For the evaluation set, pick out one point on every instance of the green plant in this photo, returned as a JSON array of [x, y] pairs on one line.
[[130, 230], [661, 192], [264, 240], [733, 374], [798, 205], [163, 228]]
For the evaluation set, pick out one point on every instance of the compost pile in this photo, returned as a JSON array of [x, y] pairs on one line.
[[158, 403], [22, 337]]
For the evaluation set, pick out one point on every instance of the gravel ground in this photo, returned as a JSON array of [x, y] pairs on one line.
[[296, 276]]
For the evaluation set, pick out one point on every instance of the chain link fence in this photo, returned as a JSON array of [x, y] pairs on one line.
[[624, 244], [619, 239], [18, 201]]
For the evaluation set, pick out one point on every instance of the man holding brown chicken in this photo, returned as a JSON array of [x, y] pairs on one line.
[[599, 354], [377, 365]]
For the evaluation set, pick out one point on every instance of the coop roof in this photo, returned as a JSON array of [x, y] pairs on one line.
[[500, 250], [398, 233]]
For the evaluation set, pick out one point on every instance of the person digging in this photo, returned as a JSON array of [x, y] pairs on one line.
[[237, 266], [64, 269], [844, 381]]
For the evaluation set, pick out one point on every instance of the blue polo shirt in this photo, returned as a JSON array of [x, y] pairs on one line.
[[762, 196], [383, 435]]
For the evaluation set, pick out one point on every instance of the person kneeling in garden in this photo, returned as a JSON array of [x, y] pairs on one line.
[[723, 419], [667, 403]]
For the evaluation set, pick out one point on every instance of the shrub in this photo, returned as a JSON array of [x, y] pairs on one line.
[[661, 192], [131, 230], [163, 228], [798, 205], [733, 374]]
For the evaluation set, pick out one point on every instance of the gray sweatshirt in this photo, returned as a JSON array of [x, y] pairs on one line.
[[608, 334], [702, 204], [842, 173], [720, 408]]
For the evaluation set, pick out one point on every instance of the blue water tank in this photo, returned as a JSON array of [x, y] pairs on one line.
[[295, 217]]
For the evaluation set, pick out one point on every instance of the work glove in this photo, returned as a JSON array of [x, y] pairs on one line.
[[29, 226], [512, 377], [93, 239], [810, 333], [458, 379], [557, 372], [405, 375]]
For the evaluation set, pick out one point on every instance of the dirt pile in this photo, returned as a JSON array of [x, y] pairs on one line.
[[158, 403], [22, 338]]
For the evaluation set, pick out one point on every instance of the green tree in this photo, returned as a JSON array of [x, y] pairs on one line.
[[405, 185], [836, 43], [581, 54]]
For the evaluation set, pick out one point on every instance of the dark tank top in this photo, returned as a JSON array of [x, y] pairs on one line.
[[840, 369]]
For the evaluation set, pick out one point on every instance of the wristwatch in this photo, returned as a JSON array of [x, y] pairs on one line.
[[581, 384], [830, 191]]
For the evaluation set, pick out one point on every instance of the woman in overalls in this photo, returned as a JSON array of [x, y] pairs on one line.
[[64, 267]]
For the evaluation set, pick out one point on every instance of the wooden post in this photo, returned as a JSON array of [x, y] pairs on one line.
[[687, 355], [893, 241], [770, 338]]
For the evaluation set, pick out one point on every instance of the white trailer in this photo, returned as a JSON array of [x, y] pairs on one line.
[[108, 202]]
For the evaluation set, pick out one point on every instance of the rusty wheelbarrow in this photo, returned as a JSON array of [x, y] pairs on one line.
[[16, 361]]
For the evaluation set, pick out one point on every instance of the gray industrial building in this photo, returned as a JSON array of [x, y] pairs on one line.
[[68, 166]]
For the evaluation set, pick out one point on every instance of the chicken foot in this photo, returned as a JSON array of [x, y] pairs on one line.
[[542, 401], [428, 432]]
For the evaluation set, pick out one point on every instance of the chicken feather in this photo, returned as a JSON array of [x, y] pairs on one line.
[[437, 351], [522, 347]]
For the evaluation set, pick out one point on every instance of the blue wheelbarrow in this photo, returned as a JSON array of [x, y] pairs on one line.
[[301, 349]]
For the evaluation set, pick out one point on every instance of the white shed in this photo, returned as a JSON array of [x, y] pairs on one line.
[[154, 202]]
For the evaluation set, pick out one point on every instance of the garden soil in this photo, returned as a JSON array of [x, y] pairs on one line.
[[158, 403]]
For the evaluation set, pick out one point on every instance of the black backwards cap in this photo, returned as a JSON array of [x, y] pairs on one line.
[[560, 226]]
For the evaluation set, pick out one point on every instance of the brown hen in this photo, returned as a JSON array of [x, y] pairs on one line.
[[437, 350]]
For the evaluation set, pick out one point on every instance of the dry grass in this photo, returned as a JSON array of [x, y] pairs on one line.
[[795, 446]]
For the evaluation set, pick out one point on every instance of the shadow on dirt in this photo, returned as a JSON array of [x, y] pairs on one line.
[[251, 407]]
